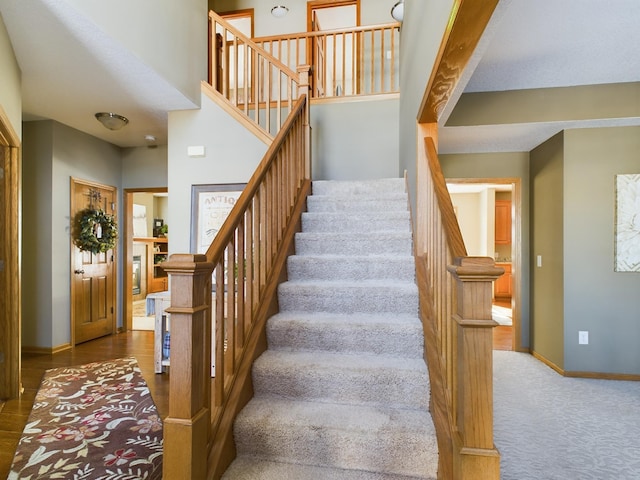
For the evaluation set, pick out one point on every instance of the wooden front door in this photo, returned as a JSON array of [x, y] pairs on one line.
[[92, 274]]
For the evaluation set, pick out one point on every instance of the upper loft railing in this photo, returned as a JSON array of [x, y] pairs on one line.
[[455, 307], [250, 79], [249, 256], [345, 62]]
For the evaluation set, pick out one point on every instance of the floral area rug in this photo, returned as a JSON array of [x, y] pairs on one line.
[[94, 421]]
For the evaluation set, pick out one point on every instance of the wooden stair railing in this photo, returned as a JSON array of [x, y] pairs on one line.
[[455, 308], [248, 255], [250, 79], [345, 62]]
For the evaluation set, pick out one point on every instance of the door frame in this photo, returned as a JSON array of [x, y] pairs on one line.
[[127, 251], [74, 181], [10, 246], [516, 249], [313, 5]]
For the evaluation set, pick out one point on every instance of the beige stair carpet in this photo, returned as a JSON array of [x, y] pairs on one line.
[[342, 391]]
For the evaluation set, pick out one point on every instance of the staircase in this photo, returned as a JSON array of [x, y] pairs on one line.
[[342, 391]]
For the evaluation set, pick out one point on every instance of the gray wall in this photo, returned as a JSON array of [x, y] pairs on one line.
[[501, 165], [144, 167], [597, 299], [159, 32], [52, 154], [547, 286], [420, 37], [10, 93], [232, 154], [356, 140]]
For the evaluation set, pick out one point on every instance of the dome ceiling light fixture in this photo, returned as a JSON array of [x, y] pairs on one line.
[[397, 11], [112, 121], [279, 11]]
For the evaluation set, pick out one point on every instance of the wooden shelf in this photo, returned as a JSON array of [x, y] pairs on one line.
[[157, 253]]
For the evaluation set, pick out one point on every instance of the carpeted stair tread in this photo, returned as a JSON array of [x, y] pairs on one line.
[[342, 378], [353, 243], [339, 436], [348, 297], [362, 222], [358, 187], [341, 267], [250, 468], [356, 204], [342, 391], [389, 335]]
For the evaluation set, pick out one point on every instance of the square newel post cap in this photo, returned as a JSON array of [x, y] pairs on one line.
[[478, 269], [187, 262]]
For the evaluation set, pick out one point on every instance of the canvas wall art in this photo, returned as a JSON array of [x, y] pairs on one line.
[[627, 223]]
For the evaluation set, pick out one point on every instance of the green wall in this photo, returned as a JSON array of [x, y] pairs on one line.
[[501, 165], [354, 140], [420, 37], [576, 288], [52, 154], [10, 78], [597, 299], [547, 287]]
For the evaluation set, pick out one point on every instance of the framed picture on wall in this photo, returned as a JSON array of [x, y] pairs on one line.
[[210, 207], [627, 223]]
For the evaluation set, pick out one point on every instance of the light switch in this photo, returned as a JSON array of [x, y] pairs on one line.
[[539, 260]]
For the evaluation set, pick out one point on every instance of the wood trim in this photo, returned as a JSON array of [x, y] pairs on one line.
[[629, 377], [73, 183], [223, 451], [317, 4], [46, 350], [242, 13], [355, 98], [516, 246], [467, 22], [127, 251], [10, 248], [228, 107]]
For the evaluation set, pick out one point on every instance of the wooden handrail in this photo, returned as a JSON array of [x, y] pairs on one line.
[[455, 308], [248, 256], [364, 60], [249, 78]]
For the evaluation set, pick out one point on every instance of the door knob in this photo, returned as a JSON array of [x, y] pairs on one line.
[[78, 271]]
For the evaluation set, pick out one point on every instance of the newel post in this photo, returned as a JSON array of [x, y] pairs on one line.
[[475, 455], [186, 428]]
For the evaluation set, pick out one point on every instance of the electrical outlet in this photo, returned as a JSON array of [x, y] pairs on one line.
[[583, 337]]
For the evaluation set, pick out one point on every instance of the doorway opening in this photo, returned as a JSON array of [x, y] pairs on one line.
[[146, 247], [334, 71], [489, 215]]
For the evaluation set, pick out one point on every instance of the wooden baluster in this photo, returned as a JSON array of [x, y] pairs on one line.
[[475, 455], [186, 428]]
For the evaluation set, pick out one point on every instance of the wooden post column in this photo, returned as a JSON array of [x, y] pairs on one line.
[[304, 88], [475, 455], [186, 429]]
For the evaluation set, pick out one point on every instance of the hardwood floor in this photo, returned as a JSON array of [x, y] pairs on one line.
[[503, 334], [14, 413]]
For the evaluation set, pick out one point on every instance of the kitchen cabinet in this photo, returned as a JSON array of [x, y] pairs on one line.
[[503, 222], [502, 286]]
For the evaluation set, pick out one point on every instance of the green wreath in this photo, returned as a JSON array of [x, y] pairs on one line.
[[97, 231]]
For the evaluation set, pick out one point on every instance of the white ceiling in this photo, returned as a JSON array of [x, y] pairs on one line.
[[70, 70], [547, 43]]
